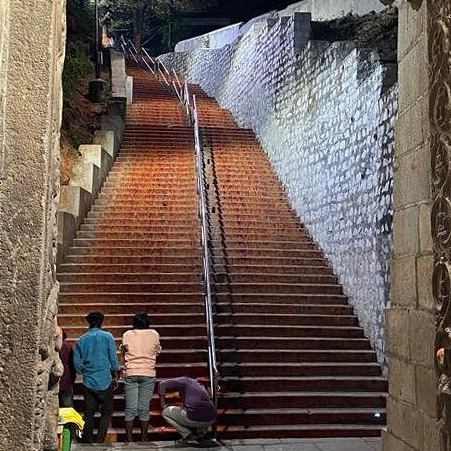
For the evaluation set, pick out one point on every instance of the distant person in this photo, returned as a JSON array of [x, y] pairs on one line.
[[197, 411], [140, 347], [66, 390], [95, 358]]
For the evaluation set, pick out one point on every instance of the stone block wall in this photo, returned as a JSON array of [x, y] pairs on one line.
[[325, 118], [419, 405]]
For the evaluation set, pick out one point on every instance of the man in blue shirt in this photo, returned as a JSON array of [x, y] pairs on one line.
[[95, 358]]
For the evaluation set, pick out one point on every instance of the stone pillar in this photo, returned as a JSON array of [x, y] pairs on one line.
[[32, 35], [419, 320]]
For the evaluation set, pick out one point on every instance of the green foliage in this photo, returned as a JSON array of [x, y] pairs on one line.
[[80, 38], [152, 19], [80, 21], [76, 68]]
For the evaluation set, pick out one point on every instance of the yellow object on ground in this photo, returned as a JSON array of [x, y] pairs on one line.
[[70, 415]]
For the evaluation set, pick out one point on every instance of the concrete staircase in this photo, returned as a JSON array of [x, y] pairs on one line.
[[293, 360], [139, 248]]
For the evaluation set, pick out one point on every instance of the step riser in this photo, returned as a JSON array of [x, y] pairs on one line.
[[279, 356], [297, 344], [126, 320], [277, 288], [284, 309], [268, 331], [118, 331], [130, 268], [163, 287], [313, 371], [156, 420]]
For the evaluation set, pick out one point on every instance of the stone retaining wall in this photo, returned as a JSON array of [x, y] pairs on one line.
[[325, 117], [96, 160]]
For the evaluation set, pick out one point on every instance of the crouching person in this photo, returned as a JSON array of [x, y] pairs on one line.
[[197, 411]]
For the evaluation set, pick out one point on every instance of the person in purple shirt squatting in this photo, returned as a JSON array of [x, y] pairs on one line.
[[66, 391], [95, 358], [197, 411]]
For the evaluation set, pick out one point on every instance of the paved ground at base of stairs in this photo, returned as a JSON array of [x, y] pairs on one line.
[[338, 444]]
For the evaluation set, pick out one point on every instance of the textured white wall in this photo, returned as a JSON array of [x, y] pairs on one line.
[[322, 118]]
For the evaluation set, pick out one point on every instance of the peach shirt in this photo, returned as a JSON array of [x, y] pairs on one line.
[[141, 349]]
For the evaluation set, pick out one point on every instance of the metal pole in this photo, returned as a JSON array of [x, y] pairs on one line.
[[170, 30], [97, 40]]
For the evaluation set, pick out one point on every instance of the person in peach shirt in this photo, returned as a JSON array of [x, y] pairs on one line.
[[140, 347]]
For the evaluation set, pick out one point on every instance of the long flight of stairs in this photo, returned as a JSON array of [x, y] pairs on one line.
[[293, 360], [139, 248]]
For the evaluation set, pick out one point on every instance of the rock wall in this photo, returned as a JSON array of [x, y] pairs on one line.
[[32, 52], [325, 117]]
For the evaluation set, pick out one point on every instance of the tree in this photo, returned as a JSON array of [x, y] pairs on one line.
[[138, 11]]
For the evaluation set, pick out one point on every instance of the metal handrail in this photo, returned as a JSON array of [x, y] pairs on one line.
[[213, 366], [187, 102], [165, 68], [151, 60], [130, 43], [127, 50], [177, 78]]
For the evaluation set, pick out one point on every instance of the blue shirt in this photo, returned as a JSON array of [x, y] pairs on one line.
[[95, 357]]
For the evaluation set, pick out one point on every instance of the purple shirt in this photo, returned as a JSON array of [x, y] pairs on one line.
[[68, 377], [195, 398]]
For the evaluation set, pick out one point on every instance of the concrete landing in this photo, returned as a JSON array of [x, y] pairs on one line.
[[337, 444]]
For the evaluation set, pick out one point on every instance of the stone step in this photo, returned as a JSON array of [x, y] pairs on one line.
[[246, 319], [192, 258], [310, 369], [273, 269], [302, 400], [72, 268], [299, 431], [131, 242], [182, 330], [131, 287], [285, 308], [310, 330], [129, 278], [143, 227], [298, 288], [192, 222], [130, 234], [324, 416], [287, 278], [158, 319], [268, 342], [281, 355], [129, 308]]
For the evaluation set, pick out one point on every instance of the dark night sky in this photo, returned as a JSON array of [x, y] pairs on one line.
[[238, 10]]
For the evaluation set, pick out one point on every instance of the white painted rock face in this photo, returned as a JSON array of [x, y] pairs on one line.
[[327, 127]]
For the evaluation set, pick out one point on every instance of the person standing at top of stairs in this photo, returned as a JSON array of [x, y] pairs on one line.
[[140, 347], [95, 358]]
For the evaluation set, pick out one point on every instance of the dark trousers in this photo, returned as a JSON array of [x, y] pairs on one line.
[[66, 399], [95, 399]]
